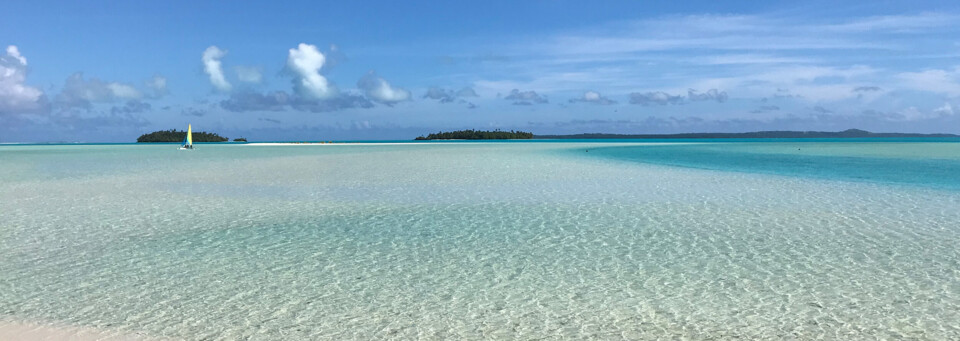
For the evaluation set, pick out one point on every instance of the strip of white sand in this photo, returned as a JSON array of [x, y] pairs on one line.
[[321, 144], [446, 143], [348, 143], [27, 331]]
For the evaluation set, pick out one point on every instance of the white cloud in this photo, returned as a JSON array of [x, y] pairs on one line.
[[912, 113], [945, 110], [936, 80], [655, 97], [443, 95], [815, 83], [709, 95], [157, 86], [213, 68], [14, 53], [748, 54], [897, 23], [525, 97], [123, 90], [378, 89], [15, 96], [711, 32], [249, 74], [748, 33], [449, 96], [663, 98], [593, 97], [80, 93], [467, 92], [305, 61]]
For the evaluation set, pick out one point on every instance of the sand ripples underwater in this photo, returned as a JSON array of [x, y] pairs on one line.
[[485, 241]]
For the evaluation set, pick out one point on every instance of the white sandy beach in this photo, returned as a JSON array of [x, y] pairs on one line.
[[443, 143]]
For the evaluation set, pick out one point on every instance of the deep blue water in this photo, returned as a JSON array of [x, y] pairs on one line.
[[935, 165]]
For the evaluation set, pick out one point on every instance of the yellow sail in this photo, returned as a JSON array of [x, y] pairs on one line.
[[189, 135]]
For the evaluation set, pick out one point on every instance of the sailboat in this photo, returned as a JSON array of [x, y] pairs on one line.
[[188, 140]]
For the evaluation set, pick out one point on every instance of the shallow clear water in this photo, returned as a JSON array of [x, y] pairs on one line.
[[484, 240]]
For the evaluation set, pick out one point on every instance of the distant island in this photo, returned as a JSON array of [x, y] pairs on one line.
[[849, 133], [477, 135], [178, 136]]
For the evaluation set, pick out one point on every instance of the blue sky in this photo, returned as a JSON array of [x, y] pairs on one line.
[[110, 71]]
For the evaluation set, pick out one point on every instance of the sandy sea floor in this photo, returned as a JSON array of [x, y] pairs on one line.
[[460, 241]]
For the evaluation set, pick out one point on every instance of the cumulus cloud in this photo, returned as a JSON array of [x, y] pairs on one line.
[[80, 93], [655, 98], [14, 53], [467, 92], [525, 97], [444, 96], [945, 110], [936, 81], [15, 96], [214, 69], [663, 98], [449, 96], [710, 95], [249, 74], [157, 87], [378, 89], [305, 62], [593, 97], [120, 90], [131, 107]]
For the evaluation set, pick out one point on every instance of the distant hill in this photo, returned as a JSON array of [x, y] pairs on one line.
[[178, 136], [477, 135], [849, 133]]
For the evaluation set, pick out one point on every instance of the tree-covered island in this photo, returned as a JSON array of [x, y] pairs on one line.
[[477, 135], [178, 136]]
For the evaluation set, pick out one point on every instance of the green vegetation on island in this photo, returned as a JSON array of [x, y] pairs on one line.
[[178, 136], [849, 133], [240, 139], [477, 135]]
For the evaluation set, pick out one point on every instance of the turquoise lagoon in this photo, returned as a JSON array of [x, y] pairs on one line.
[[781, 239]]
